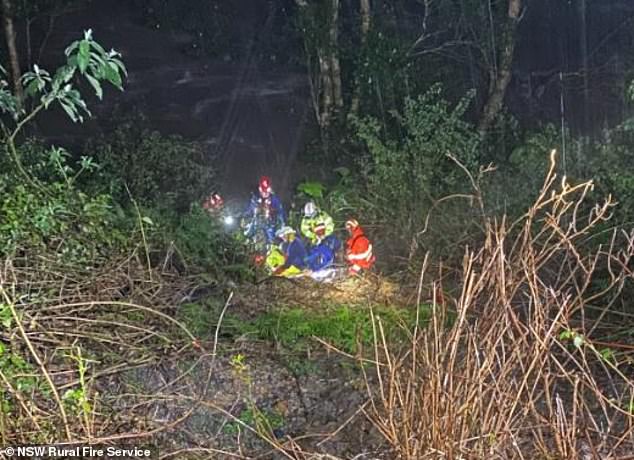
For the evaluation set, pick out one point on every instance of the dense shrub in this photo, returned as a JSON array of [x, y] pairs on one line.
[[59, 217], [159, 171], [406, 170], [201, 241]]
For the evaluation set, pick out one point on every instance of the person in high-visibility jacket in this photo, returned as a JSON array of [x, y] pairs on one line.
[[317, 225], [359, 253]]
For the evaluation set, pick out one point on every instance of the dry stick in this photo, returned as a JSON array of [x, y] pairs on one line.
[[207, 450], [331, 347], [106, 322], [145, 245], [110, 371], [344, 424], [144, 434], [18, 322], [93, 304], [418, 298], [217, 333]]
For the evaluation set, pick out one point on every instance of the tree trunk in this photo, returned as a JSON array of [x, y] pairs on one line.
[[335, 66], [501, 82], [583, 45], [14, 61], [329, 79], [29, 50], [364, 11], [327, 98]]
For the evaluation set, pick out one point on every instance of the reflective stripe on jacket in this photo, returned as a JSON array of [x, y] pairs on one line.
[[322, 223], [359, 250]]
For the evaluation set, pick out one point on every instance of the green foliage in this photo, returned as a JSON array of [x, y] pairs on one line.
[[76, 226], [311, 189], [340, 198], [159, 171], [205, 243], [47, 211], [84, 57], [262, 421], [578, 340], [199, 317], [19, 373], [6, 317], [343, 326], [610, 161], [406, 171], [77, 398], [523, 172], [532, 156]]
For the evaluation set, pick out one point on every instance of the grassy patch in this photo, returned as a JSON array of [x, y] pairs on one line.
[[342, 326]]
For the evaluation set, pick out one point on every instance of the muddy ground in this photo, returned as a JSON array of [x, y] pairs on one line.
[[312, 395]]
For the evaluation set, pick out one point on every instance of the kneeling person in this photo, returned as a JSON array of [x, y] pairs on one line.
[[317, 225], [358, 249], [294, 253]]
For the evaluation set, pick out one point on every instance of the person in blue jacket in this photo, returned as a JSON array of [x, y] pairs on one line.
[[265, 212], [294, 253], [320, 257]]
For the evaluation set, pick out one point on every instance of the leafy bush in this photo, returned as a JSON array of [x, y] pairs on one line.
[[45, 210], [407, 170], [57, 217], [159, 171], [611, 161], [203, 242], [522, 172]]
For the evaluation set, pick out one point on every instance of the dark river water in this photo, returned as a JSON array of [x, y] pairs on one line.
[[249, 112]]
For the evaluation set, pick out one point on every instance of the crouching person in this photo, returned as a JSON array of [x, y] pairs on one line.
[[320, 262], [293, 251], [358, 249]]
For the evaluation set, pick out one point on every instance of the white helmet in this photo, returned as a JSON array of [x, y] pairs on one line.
[[282, 232], [310, 209]]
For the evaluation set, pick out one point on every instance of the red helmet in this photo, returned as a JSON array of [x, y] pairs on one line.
[[213, 202], [265, 186], [216, 201]]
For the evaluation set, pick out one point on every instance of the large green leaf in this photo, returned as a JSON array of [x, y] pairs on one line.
[[112, 74], [83, 57], [95, 84], [312, 189]]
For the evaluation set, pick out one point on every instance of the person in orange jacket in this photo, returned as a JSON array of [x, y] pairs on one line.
[[358, 249]]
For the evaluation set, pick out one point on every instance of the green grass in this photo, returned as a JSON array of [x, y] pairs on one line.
[[294, 328], [265, 421], [342, 326]]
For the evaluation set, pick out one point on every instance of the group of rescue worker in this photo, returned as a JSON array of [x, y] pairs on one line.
[[312, 251]]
